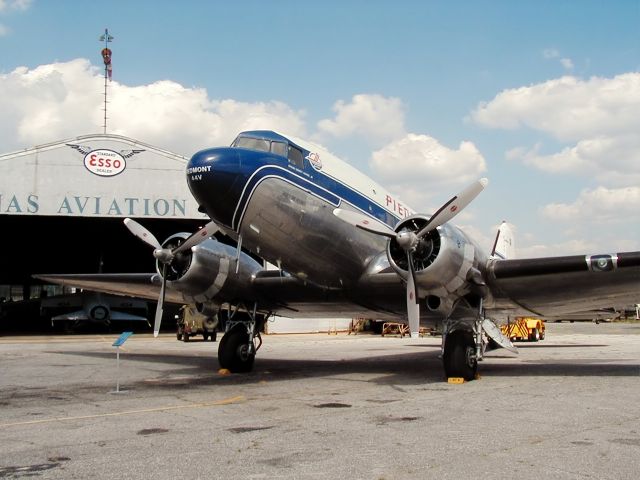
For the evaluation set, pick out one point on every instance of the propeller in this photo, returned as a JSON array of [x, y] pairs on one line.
[[166, 255], [409, 240]]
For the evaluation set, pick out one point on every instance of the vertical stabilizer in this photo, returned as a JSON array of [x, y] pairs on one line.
[[504, 246]]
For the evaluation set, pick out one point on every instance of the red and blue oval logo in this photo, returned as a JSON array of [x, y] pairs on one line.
[[105, 163]]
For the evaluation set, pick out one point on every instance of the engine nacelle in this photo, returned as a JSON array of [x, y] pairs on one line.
[[205, 270], [443, 261], [98, 312]]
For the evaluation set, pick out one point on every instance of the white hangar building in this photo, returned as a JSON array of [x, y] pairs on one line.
[[62, 207]]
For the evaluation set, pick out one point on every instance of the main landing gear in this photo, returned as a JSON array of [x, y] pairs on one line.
[[237, 349], [463, 344], [459, 356]]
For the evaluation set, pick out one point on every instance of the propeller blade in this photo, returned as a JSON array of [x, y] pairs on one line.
[[364, 222], [413, 305], [197, 237], [454, 206], [158, 320], [142, 233]]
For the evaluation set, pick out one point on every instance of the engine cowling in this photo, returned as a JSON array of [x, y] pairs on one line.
[[207, 269], [443, 261]]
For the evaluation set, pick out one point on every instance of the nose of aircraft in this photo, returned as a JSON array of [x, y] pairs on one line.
[[215, 179]]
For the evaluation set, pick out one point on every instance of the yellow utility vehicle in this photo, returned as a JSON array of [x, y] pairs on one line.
[[524, 329]]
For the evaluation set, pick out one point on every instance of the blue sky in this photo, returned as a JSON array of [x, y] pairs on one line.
[[520, 92]]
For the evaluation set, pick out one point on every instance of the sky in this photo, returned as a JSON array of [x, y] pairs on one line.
[[541, 97]]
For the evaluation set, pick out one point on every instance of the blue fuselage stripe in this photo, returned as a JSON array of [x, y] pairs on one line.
[[316, 183]]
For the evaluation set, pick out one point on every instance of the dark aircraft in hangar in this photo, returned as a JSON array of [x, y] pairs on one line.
[[346, 246]]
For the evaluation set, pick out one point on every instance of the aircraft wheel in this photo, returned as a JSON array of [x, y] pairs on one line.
[[535, 335], [185, 337], [460, 356], [233, 351]]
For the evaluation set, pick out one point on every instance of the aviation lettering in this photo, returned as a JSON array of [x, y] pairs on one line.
[[114, 208], [77, 205], [17, 205]]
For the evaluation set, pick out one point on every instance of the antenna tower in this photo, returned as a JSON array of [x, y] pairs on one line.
[[106, 58]]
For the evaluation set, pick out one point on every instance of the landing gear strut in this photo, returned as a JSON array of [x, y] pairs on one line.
[[237, 349]]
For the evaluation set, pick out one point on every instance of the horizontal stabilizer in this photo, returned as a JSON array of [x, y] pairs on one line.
[[72, 316], [127, 317]]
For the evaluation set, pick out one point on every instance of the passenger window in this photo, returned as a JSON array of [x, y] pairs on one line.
[[279, 148], [295, 156]]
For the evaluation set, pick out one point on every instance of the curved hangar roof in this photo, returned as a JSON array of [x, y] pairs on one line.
[[96, 176]]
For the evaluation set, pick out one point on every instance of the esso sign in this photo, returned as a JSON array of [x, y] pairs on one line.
[[105, 163]]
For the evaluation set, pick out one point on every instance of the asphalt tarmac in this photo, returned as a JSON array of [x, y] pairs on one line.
[[321, 407]]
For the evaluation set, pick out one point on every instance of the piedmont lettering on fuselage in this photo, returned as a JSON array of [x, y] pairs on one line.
[[85, 205], [397, 207]]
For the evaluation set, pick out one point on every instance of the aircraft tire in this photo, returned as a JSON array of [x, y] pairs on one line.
[[457, 359], [232, 351]]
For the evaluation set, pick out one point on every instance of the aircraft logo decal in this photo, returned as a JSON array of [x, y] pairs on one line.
[[314, 160]]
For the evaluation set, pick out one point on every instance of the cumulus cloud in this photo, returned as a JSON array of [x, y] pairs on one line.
[[418, 166], [567, 108], [554, 54], [570, 247], [8, 5], [377, 118], [597, 117], [61, 100], [599, 205]]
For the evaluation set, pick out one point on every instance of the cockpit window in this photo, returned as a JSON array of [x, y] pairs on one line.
[[252, 143], [295, 156], [279, 148]]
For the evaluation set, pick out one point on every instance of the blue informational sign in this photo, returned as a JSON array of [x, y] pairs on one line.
[[121, 339]]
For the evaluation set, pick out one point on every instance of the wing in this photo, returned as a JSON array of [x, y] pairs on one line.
[[139, 285], [558, 285], [280, 294]]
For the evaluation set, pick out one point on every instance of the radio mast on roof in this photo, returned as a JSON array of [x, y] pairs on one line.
[[108, 71]]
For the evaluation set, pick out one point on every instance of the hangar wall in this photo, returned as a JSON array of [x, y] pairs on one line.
[[62, 206], [95, 176]]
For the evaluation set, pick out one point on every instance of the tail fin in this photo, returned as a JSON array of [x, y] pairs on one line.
[[504, 246]]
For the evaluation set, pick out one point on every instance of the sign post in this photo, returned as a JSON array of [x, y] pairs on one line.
[[118, 343]]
